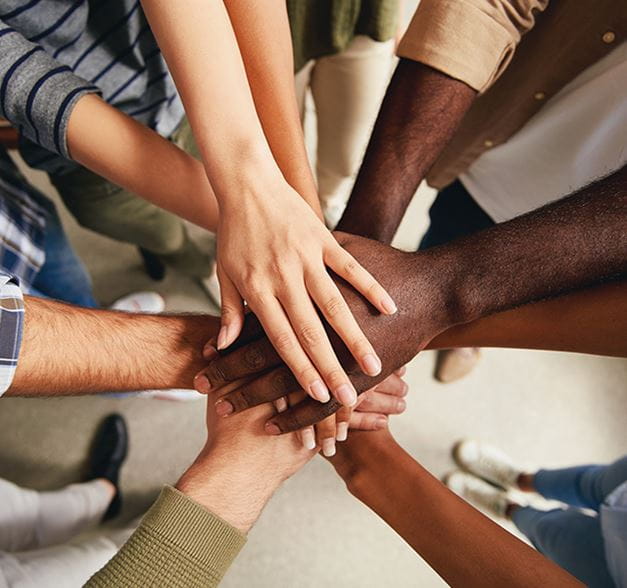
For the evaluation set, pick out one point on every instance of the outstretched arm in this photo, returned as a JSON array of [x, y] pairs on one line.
[[457, 541], [71, 350], [568, 245]]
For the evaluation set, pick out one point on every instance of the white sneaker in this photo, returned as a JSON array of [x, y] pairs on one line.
[[478, 492], [144, 302], [487, 462]]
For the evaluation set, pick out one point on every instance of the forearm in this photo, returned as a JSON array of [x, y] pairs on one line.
[[567, 245], [441, 527], [70, 350], [421, 110], [593, 321], [199, 45], [115, 146], [263, 35]]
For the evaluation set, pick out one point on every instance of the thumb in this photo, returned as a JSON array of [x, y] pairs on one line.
[[232, 311]]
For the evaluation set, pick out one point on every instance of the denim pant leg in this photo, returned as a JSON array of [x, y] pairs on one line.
[[453, 214], [582, 486], [571, 539], [63, 275]]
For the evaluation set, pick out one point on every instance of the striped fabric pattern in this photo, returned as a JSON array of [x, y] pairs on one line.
[[11, 326], [22, 225], [52, 52]]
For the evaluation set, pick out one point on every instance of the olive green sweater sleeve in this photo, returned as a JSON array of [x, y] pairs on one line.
[[178, 543]]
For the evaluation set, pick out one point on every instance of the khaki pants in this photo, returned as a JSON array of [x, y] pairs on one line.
[[347, 89], [105, 208]]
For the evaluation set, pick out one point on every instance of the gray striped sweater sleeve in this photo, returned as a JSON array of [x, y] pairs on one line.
[[37, 93]]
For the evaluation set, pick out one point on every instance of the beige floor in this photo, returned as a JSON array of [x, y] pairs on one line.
[[545, 408]]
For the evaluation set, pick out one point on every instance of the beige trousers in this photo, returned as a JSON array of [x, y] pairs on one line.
[[347, 89]]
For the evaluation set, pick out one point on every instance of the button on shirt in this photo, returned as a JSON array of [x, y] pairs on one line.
[[512, 52]]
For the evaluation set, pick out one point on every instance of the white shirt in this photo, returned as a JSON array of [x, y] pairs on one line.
[[580, 135]]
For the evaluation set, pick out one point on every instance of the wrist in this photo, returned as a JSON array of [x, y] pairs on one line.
[[229, 489]]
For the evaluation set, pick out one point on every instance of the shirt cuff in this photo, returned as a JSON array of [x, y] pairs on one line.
[[460, 40], [178, 543], [11, 328]]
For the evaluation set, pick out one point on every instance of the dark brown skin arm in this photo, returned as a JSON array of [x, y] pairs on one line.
[[457, 541], [70, 350], [420, 113], [568, 245]]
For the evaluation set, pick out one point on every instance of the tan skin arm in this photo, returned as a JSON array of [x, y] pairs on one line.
[[463, 546], [589, 321]]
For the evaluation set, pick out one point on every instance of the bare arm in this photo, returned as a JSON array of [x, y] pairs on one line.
[[593, 321], [263, 35], [421, 110], [129, 154], [71, 350], [571, 244], [457, 541]]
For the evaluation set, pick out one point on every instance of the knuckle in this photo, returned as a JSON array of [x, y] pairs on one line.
[[350, 267], [254, 358], [335, 377], [311, 334], [217, 373], [284, 342], [334, 306], [282, 383]]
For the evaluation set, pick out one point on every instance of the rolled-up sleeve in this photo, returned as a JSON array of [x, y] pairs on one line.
[[11, 326], [37, 93], [469, 40]]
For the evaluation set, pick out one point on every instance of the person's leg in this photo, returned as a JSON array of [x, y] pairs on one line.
[[584, 486], [71, 564], [63, 275], [347, 89], [570, 538], [302, 80], [31, 519], [114, 212]]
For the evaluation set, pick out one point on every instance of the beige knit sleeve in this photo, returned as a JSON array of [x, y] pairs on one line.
[[469, 40], [178, 543]]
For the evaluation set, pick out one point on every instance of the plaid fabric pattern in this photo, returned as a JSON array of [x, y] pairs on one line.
[[11, 324], [22, 224]]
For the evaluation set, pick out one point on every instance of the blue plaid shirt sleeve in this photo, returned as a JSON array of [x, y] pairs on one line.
[[11, 325]]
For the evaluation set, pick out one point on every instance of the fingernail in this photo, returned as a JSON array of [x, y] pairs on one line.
[[405, 389], [319, 391], [346, 395], [222, 337], [400, 372], [281, 404], [202, 384], [372, 364], [224, 408], [309, 439], [328, 447], [342, 432], [381, 422], [401, 405], [272, 429], [388, 304], [209, 352]]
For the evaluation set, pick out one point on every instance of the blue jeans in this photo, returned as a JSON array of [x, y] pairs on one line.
[[569, 537], [63, 276], [453, 214]]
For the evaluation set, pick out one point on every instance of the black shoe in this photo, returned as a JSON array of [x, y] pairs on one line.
[[155, 268], [109, 450]]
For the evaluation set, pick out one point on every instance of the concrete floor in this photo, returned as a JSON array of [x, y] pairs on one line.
[[547, 409]]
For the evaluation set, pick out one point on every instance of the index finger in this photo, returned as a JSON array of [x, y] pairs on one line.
[[306, 413]]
